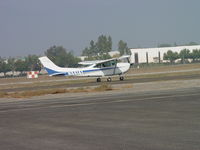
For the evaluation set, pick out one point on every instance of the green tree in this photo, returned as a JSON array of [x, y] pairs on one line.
[[86, 52], [91, 51], [171, 56], [11, 63], [21, 66], [195, 55], [192, 43], [4, 67], [70, 60], [98, 49], [109, 42], [61, 57], [104, 44], [184, 54], [55, 53], [123, 48], [32, 62]]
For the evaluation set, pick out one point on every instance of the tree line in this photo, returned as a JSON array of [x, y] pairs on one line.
[[57, 54], [183, 55], [175, 44], [29, 63], [103, 45]]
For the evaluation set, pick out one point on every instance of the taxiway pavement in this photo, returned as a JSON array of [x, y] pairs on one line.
[[94, 83], [151, 120]]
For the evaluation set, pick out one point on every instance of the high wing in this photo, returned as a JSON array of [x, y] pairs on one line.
[[89, 62], [96, 61], [124, 57], [102, 61], [106, 63]]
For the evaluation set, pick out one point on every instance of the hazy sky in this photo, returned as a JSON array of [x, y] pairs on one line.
[[32, 26]]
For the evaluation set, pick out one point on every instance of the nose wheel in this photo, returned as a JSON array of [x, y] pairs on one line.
[[109, 79], [121, 78], [98, 79]]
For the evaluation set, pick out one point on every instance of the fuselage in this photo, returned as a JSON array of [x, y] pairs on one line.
[[101, 68], [91, 71]]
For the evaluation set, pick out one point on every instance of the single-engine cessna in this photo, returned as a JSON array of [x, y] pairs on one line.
[[99, 68]]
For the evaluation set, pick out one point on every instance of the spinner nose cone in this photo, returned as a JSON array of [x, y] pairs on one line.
[[124, 67]]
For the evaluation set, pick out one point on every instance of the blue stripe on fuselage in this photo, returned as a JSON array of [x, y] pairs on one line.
[[53, 72]]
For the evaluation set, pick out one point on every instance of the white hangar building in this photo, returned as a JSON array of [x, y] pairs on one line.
[[155, 55]]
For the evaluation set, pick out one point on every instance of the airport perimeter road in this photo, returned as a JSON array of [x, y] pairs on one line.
[[161, 120]]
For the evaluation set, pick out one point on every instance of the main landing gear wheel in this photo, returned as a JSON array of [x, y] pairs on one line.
[[98, 79], [109, 79], [121, 78]]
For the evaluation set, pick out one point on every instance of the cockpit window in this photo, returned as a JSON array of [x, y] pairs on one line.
[[81, 66], [98, 66], [111, 63]]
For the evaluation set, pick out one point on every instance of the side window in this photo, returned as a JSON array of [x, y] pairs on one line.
[[106, 64], [113, 62], [98, 66]]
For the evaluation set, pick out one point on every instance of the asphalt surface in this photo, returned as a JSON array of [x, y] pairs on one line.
[[154, 120], [94, 83]]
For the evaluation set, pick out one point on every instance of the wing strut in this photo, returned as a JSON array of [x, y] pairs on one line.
[[115, 67]]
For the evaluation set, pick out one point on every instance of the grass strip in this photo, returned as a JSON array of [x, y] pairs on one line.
[[28, 94]]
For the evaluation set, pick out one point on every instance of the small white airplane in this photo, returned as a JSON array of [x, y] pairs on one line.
[[99, 68]]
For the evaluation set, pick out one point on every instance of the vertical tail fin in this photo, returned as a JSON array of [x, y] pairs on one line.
[[47, 63], [50, 67]]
